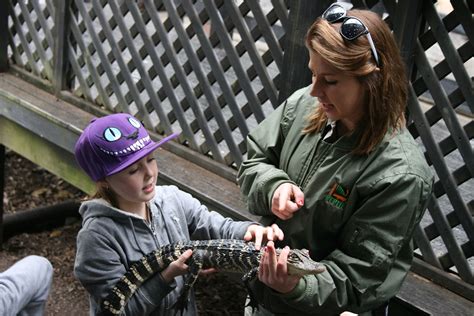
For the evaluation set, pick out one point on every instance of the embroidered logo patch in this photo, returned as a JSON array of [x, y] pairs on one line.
[[337, 195]]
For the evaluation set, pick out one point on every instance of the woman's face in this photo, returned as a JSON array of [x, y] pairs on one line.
[[135, 185], [341, 96]]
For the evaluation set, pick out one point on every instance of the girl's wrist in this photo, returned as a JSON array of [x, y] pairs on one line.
[[166, 277]]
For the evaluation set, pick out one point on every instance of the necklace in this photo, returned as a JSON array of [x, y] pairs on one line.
[[149, 216]]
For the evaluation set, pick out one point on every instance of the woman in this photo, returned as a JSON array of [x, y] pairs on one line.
[[342, 177]]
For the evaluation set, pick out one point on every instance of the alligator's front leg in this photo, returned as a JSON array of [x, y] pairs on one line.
[[195, 265], [246, 279]]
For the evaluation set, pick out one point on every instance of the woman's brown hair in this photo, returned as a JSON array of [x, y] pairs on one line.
[[386, 84]]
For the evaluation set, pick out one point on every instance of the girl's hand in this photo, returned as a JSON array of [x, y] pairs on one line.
[[287, 199], [273, 271], [262, 234], [177, 267]]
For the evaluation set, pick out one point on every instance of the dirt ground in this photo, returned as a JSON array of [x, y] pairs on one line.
[[28, 186]]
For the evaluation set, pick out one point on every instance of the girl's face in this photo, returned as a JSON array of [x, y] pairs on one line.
[[135, 185], [341, 96]]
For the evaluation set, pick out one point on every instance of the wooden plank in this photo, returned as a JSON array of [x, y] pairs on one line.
[[446, 233], [41, 23], [61, 44], [433, 299], [4, 35], [43, 153], [423, 243], [2, 188], [406, 24], [450, 281], [295, 60], [464, 15]]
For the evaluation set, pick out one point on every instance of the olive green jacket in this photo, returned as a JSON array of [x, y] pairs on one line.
[[358, 216]]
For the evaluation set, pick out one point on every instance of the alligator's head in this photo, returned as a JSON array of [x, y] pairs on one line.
[[300, 263]]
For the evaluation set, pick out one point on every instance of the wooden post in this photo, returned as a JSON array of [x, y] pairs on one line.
[[61, 33], [2, 189], [406, 27], [4, 35], [295, 73]]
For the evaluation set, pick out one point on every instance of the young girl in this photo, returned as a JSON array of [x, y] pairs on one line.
[[129, 217]]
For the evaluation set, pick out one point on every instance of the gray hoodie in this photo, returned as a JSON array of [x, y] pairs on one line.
[[111, 239]]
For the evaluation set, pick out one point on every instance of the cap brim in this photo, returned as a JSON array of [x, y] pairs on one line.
[[143, 153]]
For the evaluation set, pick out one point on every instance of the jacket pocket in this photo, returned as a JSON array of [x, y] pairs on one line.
[[374, 261]]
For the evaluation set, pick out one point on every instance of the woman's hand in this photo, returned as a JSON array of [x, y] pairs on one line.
[[177, 267], [287, 199], [262, 234], [273, 270]]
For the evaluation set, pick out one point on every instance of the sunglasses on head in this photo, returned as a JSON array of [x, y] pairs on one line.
[[351, 27]]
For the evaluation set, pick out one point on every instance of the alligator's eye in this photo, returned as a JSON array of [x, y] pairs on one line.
[[111, 134], [135, 123]]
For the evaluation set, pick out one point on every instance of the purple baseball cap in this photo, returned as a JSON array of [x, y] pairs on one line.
[[112, 143]]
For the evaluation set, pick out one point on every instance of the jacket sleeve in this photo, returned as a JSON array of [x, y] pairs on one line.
[[204, 224], [260, 175], [98, 267], [374, 256]]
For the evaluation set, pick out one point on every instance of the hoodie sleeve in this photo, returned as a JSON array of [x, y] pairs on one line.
[[205, 224], [99, 267]]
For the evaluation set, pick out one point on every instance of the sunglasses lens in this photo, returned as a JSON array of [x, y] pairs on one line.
[[334, 13], [352, 29]]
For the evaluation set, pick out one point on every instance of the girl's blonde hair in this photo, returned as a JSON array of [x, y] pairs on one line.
[[102, 191], [386, 84]]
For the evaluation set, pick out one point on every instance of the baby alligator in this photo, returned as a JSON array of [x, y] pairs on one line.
[[227, 255]]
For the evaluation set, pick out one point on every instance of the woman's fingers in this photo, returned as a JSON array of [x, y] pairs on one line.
[[298, 196], [287, 199]]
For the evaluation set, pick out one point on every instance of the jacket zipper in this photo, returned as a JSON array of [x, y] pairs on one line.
[[310, 168]]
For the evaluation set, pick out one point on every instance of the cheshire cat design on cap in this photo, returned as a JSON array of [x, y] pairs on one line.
[[139, 144], [112, 143], [117, 142]]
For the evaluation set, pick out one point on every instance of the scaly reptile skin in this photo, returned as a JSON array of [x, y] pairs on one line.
[[227, 255]]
